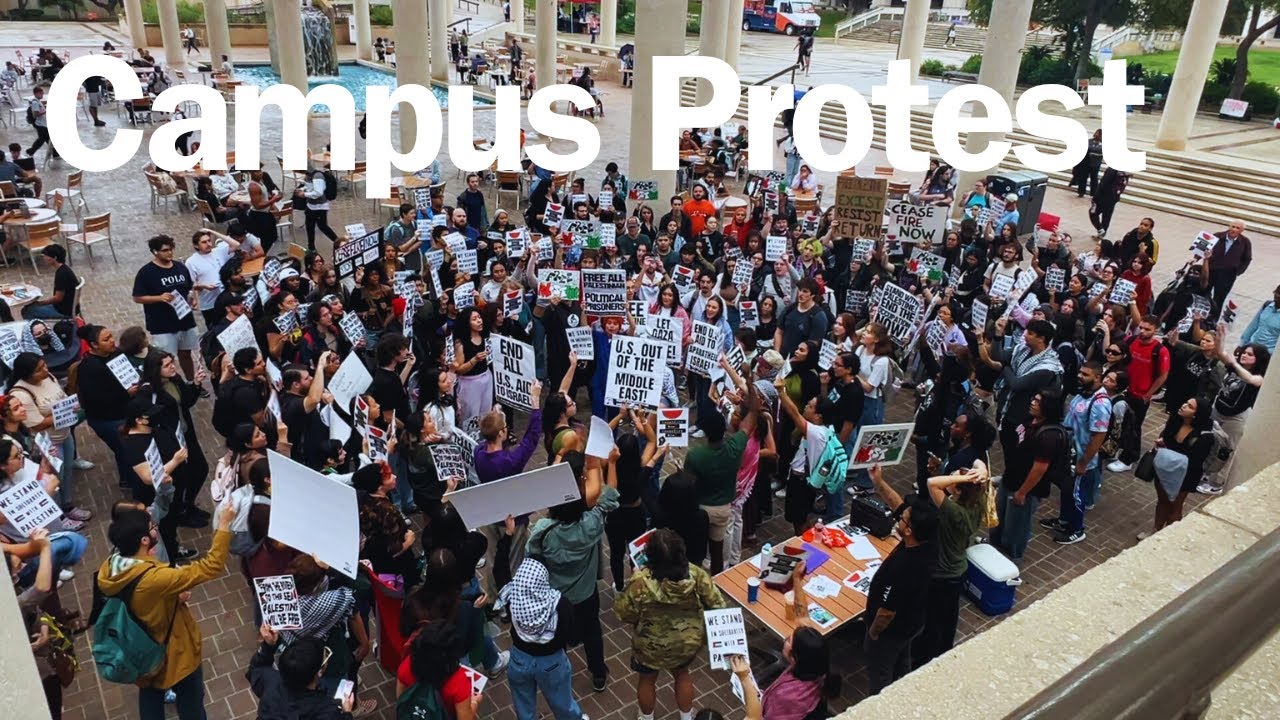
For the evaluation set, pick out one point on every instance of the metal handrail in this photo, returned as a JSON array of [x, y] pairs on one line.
[[780, 73], [1167, 665], [466, 20]]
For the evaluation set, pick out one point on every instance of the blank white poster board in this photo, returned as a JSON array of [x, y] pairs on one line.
[[492, 502], [314, 514]]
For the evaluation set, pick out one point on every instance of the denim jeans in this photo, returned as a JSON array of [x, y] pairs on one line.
[[872, 414], [67, 549], [1090, 487], [527, 674], [190, 705], [41, 312], [66, 478], [109, 432], [1014, 531]]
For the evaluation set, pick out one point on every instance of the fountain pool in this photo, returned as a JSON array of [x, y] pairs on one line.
[[354, 77]]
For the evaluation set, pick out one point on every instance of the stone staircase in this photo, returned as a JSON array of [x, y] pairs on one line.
[[1211, 191], [969, 39]]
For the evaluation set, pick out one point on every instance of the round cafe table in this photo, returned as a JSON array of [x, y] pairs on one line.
[[33, 203], [38, 215], [18, 295], [240, 198]]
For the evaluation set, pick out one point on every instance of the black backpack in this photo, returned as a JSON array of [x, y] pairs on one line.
[[224, 416], [330, 185], [1062, 469], [31, 115]]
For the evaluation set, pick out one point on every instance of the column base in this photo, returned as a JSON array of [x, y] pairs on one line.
[[1171, 144]]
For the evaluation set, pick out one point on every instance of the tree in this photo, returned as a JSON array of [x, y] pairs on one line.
[[107, 5], [1247, 39], [1077, 19]]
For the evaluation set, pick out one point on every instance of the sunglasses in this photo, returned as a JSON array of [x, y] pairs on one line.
[[1113, 351]]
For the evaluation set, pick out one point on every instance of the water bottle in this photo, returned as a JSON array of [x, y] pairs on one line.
[[766, 555]]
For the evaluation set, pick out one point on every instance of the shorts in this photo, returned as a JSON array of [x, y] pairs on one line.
[[171, 343], [719, 516], [641, 668], [93, 98]]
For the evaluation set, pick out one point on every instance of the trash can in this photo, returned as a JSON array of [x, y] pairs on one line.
[[1030, 187]]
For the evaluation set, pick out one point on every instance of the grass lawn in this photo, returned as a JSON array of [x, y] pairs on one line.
[[1264, 63]]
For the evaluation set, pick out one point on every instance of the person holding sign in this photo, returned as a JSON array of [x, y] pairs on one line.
[[67, 547], [430, 678], [471, 363], [1139, 273], [176, 397], [155, 457], [293, 689], [102, 397], [805, 686], [162, 288], [39, 391], [664, 601], [494, 460], [389, 541], [278, 329], [372, 304]]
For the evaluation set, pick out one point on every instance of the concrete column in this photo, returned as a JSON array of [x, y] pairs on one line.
[[173, 56], [137, 29], [545, 43], [290, 51], [439, 40], [17, 664], [215, 27], [412, 66], [1258, 448], [364, 30], [1006, 37], [915, 21], [660, 28], [711, 38], [609, 22], [1194, 58], [517, 15], [733, 32]]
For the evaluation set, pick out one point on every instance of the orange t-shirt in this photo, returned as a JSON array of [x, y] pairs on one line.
[[698, 212]]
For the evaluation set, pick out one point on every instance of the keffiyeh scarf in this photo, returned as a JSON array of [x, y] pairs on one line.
[[532, 602]]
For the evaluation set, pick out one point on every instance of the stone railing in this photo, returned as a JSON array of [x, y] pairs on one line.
[[870, 17]]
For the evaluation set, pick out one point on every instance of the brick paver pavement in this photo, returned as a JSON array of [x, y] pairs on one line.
[[224, 607]]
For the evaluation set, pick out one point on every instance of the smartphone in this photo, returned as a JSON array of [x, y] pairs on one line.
[[345, 688]]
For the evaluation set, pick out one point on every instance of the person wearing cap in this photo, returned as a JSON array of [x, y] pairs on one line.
[[138, 438], [250, 244], [1010, 210], [205, 266]]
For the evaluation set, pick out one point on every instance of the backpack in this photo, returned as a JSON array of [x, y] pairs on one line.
[[226, 477], [420, 702], [1120, 433], [1155, 356], [209, 346], [243, 544], [224, 416], [832, 466], [1062, 468], [31, 115], [1072, 360], [1220, 450], [123, 651], [330, 185]]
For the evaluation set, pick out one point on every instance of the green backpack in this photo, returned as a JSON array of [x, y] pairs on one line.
[[832, 466], [123, 650], [420, 702]]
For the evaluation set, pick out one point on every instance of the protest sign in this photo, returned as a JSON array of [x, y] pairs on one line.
[[635, 378], [313, 514], [512, 302], [827, 354], [553, 215], [491, 502], [899, 311], [991, 213], [604, 201], [608, 235], [775, 248], [517, 241], [880, 445], [855, 301], [935, 336], [748, 314], [910, 223], [271, 272], [682, 277], [351, 379], [1055, 279], [604, 292], [704, 349], [449, 460], [514, 372], [668, 330], [554, 282], [546, 250], [352, 327], [464, 296], [49, 451], [859, 208], [377, 441], [809, 225], [753, 186], [742, 273], [862, 249], [1203, 244], [468, 261], [124, 371], [1122, 292], [28, 507], [179, 305], [580, 341], [278, 598], [599, 439], [66, 412], [1022, 281], [726, 635], [926, 265], [771, 201], [357, 252], [643, 190], [354, 230], [286, 323], [9, 346], [636, 550], [978, 316], [673, 427], [1001, 286], [456, 242], [1200, 307], [155, 463]]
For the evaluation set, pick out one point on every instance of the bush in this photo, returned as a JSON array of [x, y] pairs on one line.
[[188, 12], [1222, 71], [972, 65], [1213, 95], [379, 14], [1262, 98], [932, 68], [1054, 71], [27, 14]]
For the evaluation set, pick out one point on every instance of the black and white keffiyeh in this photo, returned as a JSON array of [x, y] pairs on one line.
[[532, 602]]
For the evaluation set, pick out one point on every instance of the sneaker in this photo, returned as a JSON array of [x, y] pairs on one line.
[[71, 525], [598, 682], [79, 515], [1144, 535], [775, 485], [782, 493], [1068, 538], [1206, 488], [697, 433], [364, 708], [499, 667], [66, 574], [1119, 467], [1053, 524], [170, 697], [82, 464], [187, 554], [1089, 507], [99, 124]]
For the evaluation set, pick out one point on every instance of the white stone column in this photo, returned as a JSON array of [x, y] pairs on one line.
[[412, 66], [215, 27], [609, 22], [545, 45], [660, 26], [137, 29], [364, 30], [915, 22], [290, 51], [169, 35], [17, 664], [1194, 57], [711, 38], [439, 40], [1001, 57], [1258, 448], [733, 33], [517, 15]]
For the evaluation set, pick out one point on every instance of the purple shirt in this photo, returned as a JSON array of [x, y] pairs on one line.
[[498, 464]]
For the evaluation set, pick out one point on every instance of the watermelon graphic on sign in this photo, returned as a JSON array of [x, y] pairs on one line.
[[881, 445]]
